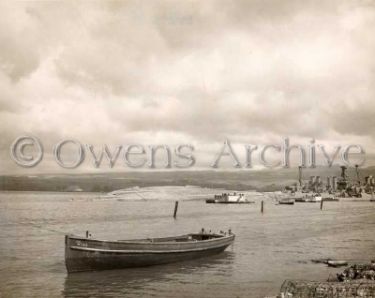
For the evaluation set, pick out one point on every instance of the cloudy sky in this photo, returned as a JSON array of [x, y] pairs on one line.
[[186, 72]]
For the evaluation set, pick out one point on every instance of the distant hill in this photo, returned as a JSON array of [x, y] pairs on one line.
[[261, 180]]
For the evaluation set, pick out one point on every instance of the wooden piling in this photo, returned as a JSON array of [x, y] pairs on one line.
[[175, 209], [321, 204], [262, 207]]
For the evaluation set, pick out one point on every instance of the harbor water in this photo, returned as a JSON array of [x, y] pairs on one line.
[[269, 248]]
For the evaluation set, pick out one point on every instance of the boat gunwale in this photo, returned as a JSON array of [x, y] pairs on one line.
[[133, 251], [139, 241]]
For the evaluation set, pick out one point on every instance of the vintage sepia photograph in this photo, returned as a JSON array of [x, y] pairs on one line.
[[185, 148]]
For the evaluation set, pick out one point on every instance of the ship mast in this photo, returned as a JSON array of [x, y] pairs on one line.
[[300, 176], [357, 171]]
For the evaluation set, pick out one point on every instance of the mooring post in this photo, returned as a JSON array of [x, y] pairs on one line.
[[87, 234], [321, 204], [175, 209], [262, 207]]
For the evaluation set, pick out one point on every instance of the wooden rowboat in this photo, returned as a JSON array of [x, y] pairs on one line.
[[87, 254], [337, 263]]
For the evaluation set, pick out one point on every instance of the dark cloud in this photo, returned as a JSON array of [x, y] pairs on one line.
[[193, 71]]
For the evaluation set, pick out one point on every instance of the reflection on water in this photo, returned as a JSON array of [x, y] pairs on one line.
[[133, 280], [269, 247]]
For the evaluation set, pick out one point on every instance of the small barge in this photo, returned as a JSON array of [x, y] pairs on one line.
[[229, 198], [286, 202]]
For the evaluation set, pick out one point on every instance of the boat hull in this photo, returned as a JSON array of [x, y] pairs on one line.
[[212, 201], [286, 203], [82, 254]]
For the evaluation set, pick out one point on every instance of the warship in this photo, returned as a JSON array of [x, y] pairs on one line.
[[354, 189], [311, 191], [334, 189]]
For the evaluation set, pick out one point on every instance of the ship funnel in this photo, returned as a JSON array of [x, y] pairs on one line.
[[343, 172], [334, 183], [328, 182]]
